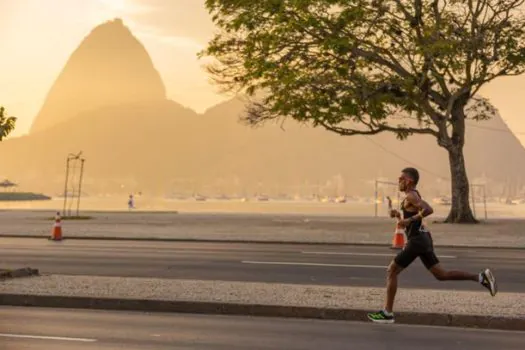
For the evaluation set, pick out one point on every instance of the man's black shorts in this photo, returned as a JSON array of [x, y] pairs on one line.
[[421, 246]]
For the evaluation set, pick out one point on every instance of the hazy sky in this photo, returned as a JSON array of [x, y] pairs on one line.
[[38, 36]]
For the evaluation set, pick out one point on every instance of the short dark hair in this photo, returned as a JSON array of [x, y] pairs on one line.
[[413, 173]]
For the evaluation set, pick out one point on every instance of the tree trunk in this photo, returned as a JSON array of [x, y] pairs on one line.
[[460, 211]]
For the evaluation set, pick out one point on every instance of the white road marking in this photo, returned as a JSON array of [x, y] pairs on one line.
[[368, 254], [310, 264], [46, 338]]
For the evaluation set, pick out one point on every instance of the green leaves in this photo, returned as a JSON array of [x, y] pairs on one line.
[[363, 62], [7, 124]]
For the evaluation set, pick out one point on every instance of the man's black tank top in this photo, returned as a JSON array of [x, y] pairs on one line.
[[415, 227]]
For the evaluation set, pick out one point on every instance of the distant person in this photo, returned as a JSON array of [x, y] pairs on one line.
[[419, 244], [131, 202]]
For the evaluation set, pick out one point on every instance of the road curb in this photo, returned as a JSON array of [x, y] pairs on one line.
[[18, 273], [241, 241], [197, 307]]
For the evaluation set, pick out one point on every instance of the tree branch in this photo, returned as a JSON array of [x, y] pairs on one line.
[[380, 129]]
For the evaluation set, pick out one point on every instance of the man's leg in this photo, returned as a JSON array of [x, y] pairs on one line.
[[443, 275], [485, 278], [391, 285], [400, 262], [432, 263]]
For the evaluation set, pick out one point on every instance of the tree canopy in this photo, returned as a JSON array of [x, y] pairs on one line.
[[363, 67], [366, 61]]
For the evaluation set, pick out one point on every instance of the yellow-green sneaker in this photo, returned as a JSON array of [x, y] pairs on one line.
[[381, 317]]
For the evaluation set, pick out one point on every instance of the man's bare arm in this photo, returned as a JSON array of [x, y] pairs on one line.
[[423, 207]]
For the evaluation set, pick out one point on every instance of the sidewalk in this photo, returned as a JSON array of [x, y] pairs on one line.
[[257, 228], [413, 306]]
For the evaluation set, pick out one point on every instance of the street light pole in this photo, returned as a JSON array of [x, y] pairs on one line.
[[80, 184], [73, 157], [65, 186]]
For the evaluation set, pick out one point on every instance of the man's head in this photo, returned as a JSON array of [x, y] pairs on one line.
[[408, 179]]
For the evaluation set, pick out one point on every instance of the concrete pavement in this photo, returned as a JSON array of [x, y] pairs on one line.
[[30, 328], [273, 263], [299, 228], [413, 306]]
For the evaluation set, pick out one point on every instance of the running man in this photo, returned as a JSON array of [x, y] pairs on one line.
[[419, 244]]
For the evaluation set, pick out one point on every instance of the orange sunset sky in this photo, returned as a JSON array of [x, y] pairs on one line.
[[37, 37]]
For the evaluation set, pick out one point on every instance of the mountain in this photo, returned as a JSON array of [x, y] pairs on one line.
[[110, 67], [298, 153], [110, 103]]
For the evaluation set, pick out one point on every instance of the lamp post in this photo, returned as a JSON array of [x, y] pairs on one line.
[[73, 158]]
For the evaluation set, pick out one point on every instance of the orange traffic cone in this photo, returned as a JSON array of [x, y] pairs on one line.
[[56, 234], [399, 238]]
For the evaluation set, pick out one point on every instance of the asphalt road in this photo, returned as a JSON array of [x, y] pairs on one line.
[[33, 328], [275, 263]]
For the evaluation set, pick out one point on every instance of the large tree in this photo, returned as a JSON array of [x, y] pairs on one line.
[[7, 124], [364, 67]]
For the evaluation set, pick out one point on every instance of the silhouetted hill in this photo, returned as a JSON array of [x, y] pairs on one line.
[[162, 146], [303, 153], [110, 103], [110, 67]]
